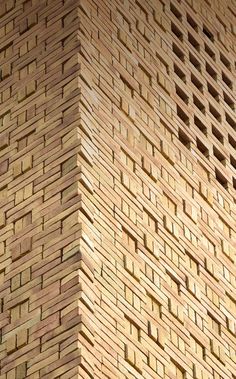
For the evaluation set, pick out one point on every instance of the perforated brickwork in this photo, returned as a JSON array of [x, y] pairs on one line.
[[117, 189]]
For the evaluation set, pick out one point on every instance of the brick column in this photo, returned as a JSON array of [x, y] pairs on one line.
[[46, 164]]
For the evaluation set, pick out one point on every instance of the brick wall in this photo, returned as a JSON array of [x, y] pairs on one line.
[[118, 189]]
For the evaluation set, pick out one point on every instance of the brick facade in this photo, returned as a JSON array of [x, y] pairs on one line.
[[118, 189]]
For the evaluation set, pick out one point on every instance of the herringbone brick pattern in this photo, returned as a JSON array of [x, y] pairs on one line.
[[117, 189]]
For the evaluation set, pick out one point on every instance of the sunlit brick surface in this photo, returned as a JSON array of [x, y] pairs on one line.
[[118, 189]]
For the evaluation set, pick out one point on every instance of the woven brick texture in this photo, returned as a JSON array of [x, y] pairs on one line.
[[117, 189]]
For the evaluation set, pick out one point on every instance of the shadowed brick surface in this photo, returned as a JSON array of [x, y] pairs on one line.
[[118, 189]]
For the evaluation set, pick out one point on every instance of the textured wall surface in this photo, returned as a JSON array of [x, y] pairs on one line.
[[117, 189]]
